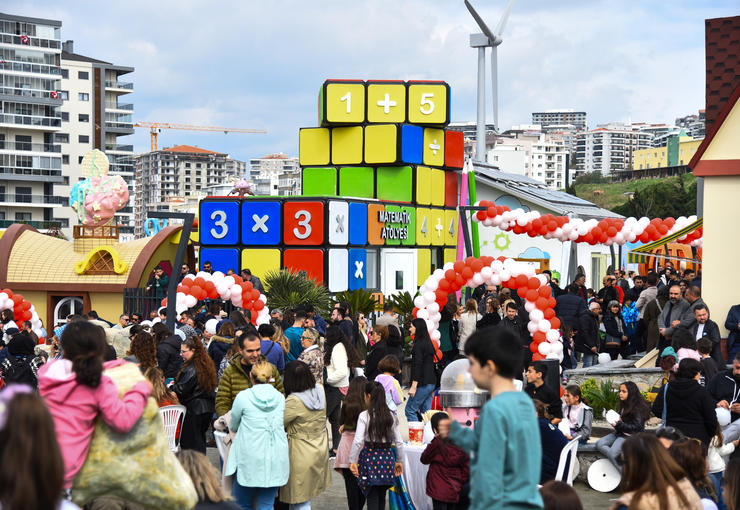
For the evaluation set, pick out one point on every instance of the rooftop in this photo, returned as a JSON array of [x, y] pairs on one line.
[[189, 149]]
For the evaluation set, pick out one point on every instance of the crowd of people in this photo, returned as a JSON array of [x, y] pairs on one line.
[[303, 395]]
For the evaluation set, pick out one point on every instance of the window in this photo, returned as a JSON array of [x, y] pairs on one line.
[[83, 139], [197, 165], [83, 75], [22, 143], [65, 159], [65, 73], [2, 194], [23, 216], [83, 117], [65, 116], [79, 160], [83, 96], [61, 137], [64, 94], [23, 194], [187, 165]]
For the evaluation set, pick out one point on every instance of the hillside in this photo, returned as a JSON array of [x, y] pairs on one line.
[[614, 193]]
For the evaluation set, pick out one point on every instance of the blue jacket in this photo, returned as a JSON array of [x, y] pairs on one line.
[[733, 318], [259, 453], [570, 308]]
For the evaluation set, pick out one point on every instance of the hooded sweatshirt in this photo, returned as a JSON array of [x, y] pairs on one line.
[[312, 398], [689, 408], [75, 406]]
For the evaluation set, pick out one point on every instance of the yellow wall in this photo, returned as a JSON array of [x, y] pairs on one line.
[[38, 300], [657, 157], [166, 251], [108, 305], [719, 283], [725, 143]]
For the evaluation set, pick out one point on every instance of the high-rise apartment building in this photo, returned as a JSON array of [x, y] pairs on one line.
[[560, 117], [30, 100], [525, 150], [172, 175], [610, 147], [275, 174], [694, 125], [95, 113]]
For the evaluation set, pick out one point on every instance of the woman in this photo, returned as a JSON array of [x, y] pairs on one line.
[[238, 319], [207, 484], [492, 316], [652, 480], [194, 386], [168, 350], [339, 359], [633, 413], [160, 392], [731, 485], [448, 333], [354, 403], [361, 336], [692, 458], [305, 423], [379, 338], [423, 378], [553, 441], [686, 404], [467, 321], [259, 453], [221, 343], [29, 453], [311, 354], [142, 351], [280, 338], [617, 341]]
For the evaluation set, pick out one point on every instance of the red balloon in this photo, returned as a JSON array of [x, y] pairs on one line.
[[611, 231], [450, 275], [27, 315], [258, 305], [476, 266], [549, 313], [195, 290], [537, 357], [595, 232], [8, 292], [17, 298], [200, 282], [459, 281], [534, 283], [537, 223], [255, 294], [539, 336], [533, 347], [521, 280], [541, 303], [532, 295], [458, 266], [561, 391], [444, 284], [212, 293], [414, 311], [545, 291], [551, 302], [209, 285], [26, 305], [522, 291], [481, 215], [187, 282], [552, 225], [440, 294], [248, 285], [555, 323]]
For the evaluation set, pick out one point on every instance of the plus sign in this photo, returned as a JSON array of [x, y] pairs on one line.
[[386, 103], [439, 228], [434, 146]]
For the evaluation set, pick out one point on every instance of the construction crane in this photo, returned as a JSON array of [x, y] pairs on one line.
[[156, 127]]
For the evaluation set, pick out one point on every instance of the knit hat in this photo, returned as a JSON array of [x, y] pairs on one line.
[[180, 333], [669, 351], [188, 331], [211, 326]]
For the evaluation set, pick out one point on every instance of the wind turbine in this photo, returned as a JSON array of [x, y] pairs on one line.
[[488, 39]]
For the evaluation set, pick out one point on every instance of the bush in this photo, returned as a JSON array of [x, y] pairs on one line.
[[600, 397], [289, 289], [360, 300]]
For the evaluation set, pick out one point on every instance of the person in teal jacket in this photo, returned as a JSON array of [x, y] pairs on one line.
[[259, 453], [505, 450]]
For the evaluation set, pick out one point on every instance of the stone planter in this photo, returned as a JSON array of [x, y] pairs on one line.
[[616, 371]]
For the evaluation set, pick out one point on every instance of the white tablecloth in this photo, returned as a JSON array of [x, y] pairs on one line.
[[415, 476]]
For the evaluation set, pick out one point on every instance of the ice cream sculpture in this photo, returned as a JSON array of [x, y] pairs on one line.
[[459, 395], [98, 198]]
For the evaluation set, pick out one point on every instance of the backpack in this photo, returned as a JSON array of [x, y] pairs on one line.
[[21, 370]]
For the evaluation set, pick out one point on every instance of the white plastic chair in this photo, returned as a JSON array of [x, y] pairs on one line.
[[219, 437], [569, 450], [172, 418]]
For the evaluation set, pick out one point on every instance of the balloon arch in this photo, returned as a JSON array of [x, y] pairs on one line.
[[532, 288], [23, 310]]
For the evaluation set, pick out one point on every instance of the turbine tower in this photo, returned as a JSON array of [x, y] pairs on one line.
[[487, 39]]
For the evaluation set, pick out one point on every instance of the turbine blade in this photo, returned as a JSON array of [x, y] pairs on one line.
[[479, 20], [494, 86], [504, 18]]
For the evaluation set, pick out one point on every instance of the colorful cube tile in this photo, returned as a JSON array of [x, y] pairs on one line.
[[309, 260], [423, 265], [386, 101], [221, 259], [450, 255], [394, 230], [454, 149], [394, 183], [381, 144], [338, 270], [451, 198], [357, 181], [423, 185], [303, 223], [411, 226], [342, 102], [338, 226], [357, 268], [346, 145], [374, 224], [451, 227], [219, 222], [412, 144], [261, 222], [428, 103], [357, 223], [318, 181], [438, 186], [314, 147], [437, 227], [434, 147], [261, 261], [423, 228]]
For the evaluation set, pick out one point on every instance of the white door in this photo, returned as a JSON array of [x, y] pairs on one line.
[[66, 306], [397, 271]]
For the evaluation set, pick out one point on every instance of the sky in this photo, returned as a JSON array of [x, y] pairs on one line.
[[260, 64]]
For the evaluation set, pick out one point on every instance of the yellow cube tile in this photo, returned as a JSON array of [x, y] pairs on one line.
[[428, 103], [386, 102], [437, 227], [345, 103], [313, 146], [423, 265], [450, 255], [423, 228], [434, 147], [346, 145], [451, 227], [438, 186], [423, 185], [261, 261], [381, 143]]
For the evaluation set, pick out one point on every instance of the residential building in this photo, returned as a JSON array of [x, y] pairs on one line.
[[525, 150], [609, 148], [169, 177], [95, 113], [678, 152], [560, 117], [694, 125], [275, 174], [659, 132], [469, 129], [30, 117]]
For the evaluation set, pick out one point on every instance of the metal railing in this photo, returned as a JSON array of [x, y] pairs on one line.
[[115, 106], [31, 172], [30, 120], [29, 40], [119, 147], [28, 92], [34, 223], [119, 125], [29, 146], [119, 85], [23, 198], [31, 67]]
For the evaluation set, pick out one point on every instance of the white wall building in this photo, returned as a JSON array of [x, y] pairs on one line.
[[529, 152], [275, 174], [609, 148], [560, 117]]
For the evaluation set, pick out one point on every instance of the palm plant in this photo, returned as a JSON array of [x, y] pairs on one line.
[[360, 300], [403, 303], [601, 397], [288, 289]]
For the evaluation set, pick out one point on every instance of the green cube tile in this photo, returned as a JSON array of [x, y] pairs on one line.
[[395, 183], [356, 181], [411, 239], [318, 181], [408, 227]]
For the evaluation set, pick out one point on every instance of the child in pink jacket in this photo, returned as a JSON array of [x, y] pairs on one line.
[[76, 391]]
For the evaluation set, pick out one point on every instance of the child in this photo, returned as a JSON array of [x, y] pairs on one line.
[[716, 462], [389, 367], [373, 460], [577, 415], [76, 391], [352, 406], [449, 467], [504, 447], [708, 364]]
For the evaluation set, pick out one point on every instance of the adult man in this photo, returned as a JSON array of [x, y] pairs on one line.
[[256, 282], [732, 324], [124, 321], [580, 280], [389, 316], [157, 284], [670, 317], [294, 334], [276, 314], [236, 376], [537, 389], [570, 307], [207, 267], [608, 293], [622, 281], [725, 388], [318, 322], [271, 350], [646, 296], [514, 324], [339, 318], [693, 296], [635, 292], [556, 290], [184, 271], [704, 327], [587, 339], [136, 318]]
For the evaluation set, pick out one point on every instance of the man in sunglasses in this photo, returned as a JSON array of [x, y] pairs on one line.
[[124, 321]]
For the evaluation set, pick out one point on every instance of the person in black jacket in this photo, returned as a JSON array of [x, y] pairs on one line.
[[194, 386], [168, 350], [513, 322], [616, 331], [379, 350], [725, 388], [423, 378], [571, 307], [538, 390], [587, 340], [633, 413], [491, 317], [608, 293]]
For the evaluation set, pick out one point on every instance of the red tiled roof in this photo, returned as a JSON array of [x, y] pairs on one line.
[[189, 149], [722, 37]]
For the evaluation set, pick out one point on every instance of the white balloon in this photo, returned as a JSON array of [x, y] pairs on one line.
[[521, 221], [3, 297], [447, 266], [529, 306], [554, 355], [179, 308], [235, 291], [190, 301], [477, 279], [497, 266], [532, 327], [229, 280], [486, 272], [495, 279], [536, 315], [604, 358], [505, 275], [435, 335], [203, 274], [429, 297], [432, 284], [438, 274], [423, 313], [263, 298], [217, 275], [557, 347], [38, 332], [553, 335], [430, 325], [189, 277], [433, 308], [542, 278], [419, 302], [544, 325], [544, 348]]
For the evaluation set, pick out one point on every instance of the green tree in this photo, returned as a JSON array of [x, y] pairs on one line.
[[661, 200]]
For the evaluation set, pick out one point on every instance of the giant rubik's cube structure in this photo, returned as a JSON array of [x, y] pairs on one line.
[[380, 171]]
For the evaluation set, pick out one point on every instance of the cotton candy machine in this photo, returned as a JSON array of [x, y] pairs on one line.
[[459, 394]]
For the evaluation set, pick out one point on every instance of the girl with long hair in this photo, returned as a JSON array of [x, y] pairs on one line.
[[280, 338], [238, 319], [633, 413], [731, 485], [221, 343], [340, 358], [77, 391], [691, 457], [207, 483], [467, 323], [373, 459], [423, 378], [142, 351], [194, 386], [168, 350], [354, 403], [652, 480], [163, 395]]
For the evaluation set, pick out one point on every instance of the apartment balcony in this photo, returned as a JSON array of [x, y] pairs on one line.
[[129, 107], [31, 121], [120, 87], [38, 224], [119, 127], [30, 67], [31, 174], [18, 93], [26, 40], [115, 147], [23, 200], [30, 147]]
